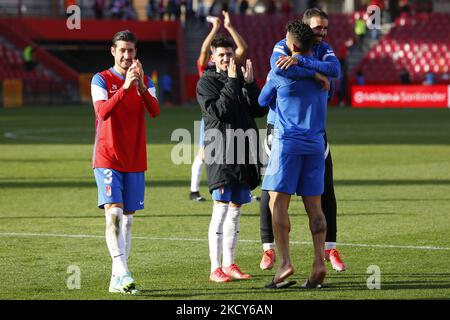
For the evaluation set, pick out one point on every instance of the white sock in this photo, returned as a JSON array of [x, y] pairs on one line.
[[330, 245], [196, 173], [115, 241], [125, 229], [215, 234], [268, 246], [230, 235]]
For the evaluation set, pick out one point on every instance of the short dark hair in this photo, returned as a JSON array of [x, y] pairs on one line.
[[222, 41], [124, 35], [302, 33], [313, 12]]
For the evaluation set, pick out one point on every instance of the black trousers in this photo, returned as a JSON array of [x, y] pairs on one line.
[[329, 206]]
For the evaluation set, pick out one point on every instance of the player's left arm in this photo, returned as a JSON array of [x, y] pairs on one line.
[[147, 92], [268, 92], [150, 101]]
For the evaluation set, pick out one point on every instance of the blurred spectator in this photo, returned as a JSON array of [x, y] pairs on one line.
[[243, 7], [271, 7], [313, 4], [201, 12], [429, 79], [216, 8], [233, 6], [360, 78], [286, 7], [28, 57], [161, 9], [128, 11], [259, 7], [188, 10], [166, 86], [99, 7], [117, 7], [173, 9], [151, 10], [360, 29], [404, 76], [404, 8]]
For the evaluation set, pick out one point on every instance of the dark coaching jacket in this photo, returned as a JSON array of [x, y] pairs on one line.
[[229, 103]]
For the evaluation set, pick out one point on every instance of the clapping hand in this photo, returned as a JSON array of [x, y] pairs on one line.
[[232, 69], [248, 71]]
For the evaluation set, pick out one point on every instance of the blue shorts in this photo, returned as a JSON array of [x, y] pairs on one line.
[[120, 187], [236, 193], [201, 138], [294, 173]]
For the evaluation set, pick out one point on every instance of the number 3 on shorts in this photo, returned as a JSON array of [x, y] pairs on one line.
[[108, 176]]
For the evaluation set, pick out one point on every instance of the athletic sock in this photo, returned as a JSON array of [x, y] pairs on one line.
[[196, 173], [215, 234], [230, 235], [115, 241], [125, 229], [268, 246], [330, 245]]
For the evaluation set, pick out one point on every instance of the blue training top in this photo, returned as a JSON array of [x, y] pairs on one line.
[[300, 112], [325, 63]]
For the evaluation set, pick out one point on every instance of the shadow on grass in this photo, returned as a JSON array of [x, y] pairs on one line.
[[221, 291], [185, 183], [101, 216]]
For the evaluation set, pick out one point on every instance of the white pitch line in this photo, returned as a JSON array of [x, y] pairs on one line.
[[384, 246]]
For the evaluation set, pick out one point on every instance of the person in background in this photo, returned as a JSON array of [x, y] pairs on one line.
[[404, 76], [360, 78], [99, 7], [202, 63], [28, 57], [243, 7], [166, 86], [429, 79]]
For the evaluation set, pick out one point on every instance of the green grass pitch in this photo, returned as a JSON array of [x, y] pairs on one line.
[[392, 181]]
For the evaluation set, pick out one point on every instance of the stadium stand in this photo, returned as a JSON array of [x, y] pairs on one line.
[[417, 43]]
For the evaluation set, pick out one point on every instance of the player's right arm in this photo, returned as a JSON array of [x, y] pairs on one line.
[[241, 45], [205, 50]]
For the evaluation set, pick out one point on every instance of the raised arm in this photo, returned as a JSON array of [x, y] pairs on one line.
[[205, 50], [241, 45]]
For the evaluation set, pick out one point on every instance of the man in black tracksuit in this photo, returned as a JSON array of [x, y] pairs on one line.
[[228, 98]]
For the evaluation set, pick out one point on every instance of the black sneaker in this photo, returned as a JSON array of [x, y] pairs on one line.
[[195, 196]]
